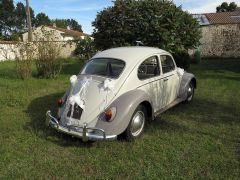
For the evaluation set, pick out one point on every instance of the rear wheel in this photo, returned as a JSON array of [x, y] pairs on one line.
[[190, 92], [137, 124]]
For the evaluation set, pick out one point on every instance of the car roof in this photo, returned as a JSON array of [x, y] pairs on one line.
[[129, 54]]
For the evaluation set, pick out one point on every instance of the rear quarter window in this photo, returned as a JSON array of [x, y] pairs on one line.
[[167, 63], [149, 68]]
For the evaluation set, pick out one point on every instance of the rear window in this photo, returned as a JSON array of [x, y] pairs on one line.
[[106, 67]]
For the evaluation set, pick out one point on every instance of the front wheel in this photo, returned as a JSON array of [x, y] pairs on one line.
[[137, 124]]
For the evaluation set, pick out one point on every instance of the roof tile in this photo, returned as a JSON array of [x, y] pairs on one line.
[[224, 17], [69, 32]]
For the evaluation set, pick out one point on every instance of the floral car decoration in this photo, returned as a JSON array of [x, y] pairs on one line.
[[118, 91]]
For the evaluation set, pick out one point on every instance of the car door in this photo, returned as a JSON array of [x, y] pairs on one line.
[[170, 79], [150, 75]]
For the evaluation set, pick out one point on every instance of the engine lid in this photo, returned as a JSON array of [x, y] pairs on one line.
[[89, 96]]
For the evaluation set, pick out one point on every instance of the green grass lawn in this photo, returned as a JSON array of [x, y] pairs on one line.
[[198, 140]]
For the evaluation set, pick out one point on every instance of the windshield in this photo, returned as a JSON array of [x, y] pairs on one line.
[[106, 67]]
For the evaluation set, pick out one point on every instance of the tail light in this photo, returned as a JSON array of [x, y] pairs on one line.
[[109, 114], [60, 102]]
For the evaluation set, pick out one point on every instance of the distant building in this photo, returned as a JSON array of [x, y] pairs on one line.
[[220, 34], [58, 34]]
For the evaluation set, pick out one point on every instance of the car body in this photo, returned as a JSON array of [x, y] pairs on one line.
[[118, 90]]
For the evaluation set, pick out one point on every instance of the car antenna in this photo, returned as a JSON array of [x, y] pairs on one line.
[[139, 43]]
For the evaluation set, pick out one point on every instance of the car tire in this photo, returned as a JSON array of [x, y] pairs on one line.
[[136, 125], [190, 92]]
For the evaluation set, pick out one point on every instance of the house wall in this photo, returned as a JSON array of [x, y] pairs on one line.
[[39, 32], [220, 40], [68, 38]]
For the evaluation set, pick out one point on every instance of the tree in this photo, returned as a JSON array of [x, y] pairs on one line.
[[29, 22], [20, 13], [12, 19], [63, 23], [7, 18], [225, 7], [156, 23], [85, 48], [42, 19], [74, 25]]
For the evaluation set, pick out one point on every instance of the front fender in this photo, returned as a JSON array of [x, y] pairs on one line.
[[186, 79], [125, 105]]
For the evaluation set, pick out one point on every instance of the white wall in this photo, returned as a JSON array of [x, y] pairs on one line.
[[8, 49], [68, 38]]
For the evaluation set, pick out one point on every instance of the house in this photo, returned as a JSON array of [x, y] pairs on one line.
[[220, 34], [57, 34]]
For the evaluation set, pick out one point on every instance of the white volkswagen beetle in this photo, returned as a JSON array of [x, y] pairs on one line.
[[118, 90]]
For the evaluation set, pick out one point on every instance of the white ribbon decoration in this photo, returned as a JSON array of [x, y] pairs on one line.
[[79, 97], [76, 99], [73, 80], [108, 84]]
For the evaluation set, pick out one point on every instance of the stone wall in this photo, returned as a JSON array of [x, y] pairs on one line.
[[220, 40], [8, 49]]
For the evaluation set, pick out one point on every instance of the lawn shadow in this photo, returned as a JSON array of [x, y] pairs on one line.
[[207, 111], [200, 112], [221, 65], [37, 111], [8, 72]]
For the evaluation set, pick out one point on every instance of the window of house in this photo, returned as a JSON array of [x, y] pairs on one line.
[[149, 68], [167, 63], [235, 17]]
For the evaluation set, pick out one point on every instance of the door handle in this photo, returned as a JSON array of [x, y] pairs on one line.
[[165, 80]]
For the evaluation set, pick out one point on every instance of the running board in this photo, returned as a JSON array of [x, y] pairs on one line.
[[174, 103]]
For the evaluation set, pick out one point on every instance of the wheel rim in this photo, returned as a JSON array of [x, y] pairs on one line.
[[137, 123], [190, 92]]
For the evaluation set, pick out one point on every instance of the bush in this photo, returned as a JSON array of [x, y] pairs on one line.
[[157, 23], [24, 59], [48, 61], [85, 48], [182, 59], [196, 57]]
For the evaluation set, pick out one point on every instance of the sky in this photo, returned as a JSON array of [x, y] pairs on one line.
[[84, 11]]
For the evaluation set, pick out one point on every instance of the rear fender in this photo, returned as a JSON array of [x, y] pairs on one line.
[[125, 105]]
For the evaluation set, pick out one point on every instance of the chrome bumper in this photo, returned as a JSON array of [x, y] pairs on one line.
[[80, 132]]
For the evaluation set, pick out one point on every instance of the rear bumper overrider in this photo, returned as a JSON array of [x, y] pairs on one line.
[[85, 133]]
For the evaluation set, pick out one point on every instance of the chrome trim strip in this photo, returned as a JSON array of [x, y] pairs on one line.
[[155, 80], [85, 135]]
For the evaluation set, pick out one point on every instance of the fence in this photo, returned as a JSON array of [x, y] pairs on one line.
[[8, 49]]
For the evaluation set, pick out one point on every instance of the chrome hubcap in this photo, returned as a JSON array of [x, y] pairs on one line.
[[137, 123], [190, 92]]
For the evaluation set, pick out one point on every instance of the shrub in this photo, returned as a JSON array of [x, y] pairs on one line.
[[24, 58], [85, 48], [196, 57], [48, 61], [157, 23], [182, 59]]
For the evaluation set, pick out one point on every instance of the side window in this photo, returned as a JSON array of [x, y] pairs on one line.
[[149, 68], [167, 64]]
